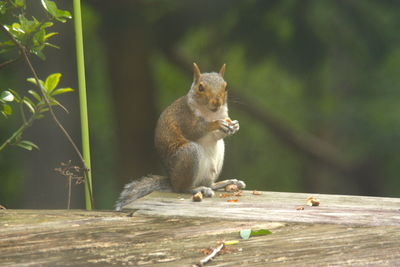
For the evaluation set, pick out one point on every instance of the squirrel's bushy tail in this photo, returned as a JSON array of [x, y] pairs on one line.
[[141, 187]]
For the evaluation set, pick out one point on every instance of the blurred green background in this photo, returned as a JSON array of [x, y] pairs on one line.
[[314, 84]]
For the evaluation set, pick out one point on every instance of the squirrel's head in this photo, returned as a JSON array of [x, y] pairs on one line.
[[209, 89]]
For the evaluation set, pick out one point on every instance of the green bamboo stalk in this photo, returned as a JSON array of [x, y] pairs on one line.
[[83, 102]]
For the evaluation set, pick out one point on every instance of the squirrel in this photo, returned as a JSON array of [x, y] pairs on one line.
[[189, 140]]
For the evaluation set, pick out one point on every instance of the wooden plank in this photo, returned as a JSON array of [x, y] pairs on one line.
[[81, 238], [277, 207], [166, 229]]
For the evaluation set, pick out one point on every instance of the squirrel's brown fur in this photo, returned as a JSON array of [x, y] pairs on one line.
[[189, 139]]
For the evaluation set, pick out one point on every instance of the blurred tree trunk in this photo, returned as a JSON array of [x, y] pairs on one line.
[[128, 54]]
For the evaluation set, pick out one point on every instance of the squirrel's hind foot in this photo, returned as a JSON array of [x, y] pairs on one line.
[[206, 191], [222, 184]]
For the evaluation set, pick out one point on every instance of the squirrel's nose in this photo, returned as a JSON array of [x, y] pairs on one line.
[[216, 101]]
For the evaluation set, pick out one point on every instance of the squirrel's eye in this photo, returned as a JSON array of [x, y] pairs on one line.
[[201, 88]]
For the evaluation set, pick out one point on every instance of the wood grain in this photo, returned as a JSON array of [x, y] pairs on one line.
[[276, 206], [163, 230]]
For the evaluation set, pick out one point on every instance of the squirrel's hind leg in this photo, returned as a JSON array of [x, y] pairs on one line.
[[209, 191], [222, 184], [183, 171], [182, 167]]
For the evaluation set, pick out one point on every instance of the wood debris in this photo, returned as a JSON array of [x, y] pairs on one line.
[[312, 201], [238, 194], [198, 197], [212, 254]]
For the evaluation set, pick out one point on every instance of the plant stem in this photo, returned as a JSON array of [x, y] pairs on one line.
[[28, 62], [83, 100], [69, 192], [6, 63], [86, 169], [18, 132]]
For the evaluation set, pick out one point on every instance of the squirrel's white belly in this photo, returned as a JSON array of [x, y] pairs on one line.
[[211, 159]]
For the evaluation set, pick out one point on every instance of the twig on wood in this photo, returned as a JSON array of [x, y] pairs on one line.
[[212, 255]]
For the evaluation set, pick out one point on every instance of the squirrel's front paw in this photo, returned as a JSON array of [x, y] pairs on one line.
[[228, 126], [234, 126]]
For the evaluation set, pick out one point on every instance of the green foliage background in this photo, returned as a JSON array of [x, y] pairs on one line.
[[326, 68]]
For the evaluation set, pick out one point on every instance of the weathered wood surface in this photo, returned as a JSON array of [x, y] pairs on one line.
[[316, 236], [277, 207]]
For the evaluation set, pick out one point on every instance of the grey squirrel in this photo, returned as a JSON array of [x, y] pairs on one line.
[[189, 140]]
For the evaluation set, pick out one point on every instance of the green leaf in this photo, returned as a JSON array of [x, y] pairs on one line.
[[52, 45], [6, 47], [39, 116], [28, 25], [42, 110], [46, 24], [245, 234], [17, 28], [33, 80], [28, 145], [17, 97], [6, 110], [54, 102], [3, 7], [39, 38], [7, 43], [61, 91], [6, 50], [19, 3], [35, 95], [58, 14], [7, 96], [260, 232], [52, 81], [38, 52], [29, 104], [47, 36]]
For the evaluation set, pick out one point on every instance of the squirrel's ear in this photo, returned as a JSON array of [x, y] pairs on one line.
[[196, 73], [222, 70]]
